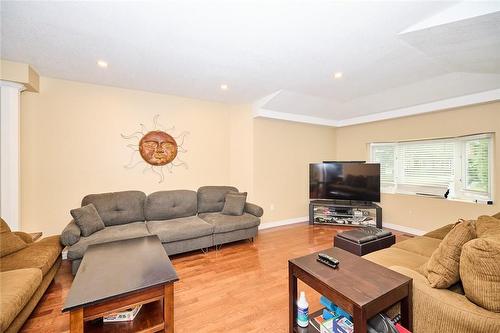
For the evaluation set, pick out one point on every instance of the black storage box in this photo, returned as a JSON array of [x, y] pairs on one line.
[[366, 247]]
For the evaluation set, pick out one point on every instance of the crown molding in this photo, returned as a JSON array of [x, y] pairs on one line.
[[445, 104], [260, 103], [461, 11], [441, 105], [265, 113]]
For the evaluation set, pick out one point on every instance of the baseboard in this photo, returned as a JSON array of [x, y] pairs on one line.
[[402, 228], [275, 224]]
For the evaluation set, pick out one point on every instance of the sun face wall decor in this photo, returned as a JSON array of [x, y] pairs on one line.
[[156, 149]]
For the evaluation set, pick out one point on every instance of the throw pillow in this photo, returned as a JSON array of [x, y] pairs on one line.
[[487, 226], [497, 215], [442, 269], [480, 272], [87, 219], [4, 226], [9, 242], [235, 203]]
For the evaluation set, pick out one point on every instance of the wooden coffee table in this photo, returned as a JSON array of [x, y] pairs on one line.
[[117, 275], [360, 287]]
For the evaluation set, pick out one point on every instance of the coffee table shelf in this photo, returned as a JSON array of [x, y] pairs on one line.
[[360, 287], [148, 320], [117, 275], [310, 328]]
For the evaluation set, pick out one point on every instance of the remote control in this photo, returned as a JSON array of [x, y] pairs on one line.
[[326, 257], [327, 262]]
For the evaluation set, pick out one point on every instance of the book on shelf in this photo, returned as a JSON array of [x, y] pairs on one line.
[[127, 315], [316, 321]]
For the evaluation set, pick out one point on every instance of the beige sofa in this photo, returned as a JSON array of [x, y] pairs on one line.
[[435, 310], [24, 277]]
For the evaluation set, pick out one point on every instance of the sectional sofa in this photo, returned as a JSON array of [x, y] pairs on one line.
[[445, 310], [25, 275], [183, 220]]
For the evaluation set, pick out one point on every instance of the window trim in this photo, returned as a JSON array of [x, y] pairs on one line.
[[460, 169]]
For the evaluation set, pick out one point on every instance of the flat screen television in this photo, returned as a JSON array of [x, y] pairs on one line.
[[353, 181]]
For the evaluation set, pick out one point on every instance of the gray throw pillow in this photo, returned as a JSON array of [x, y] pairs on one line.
[[235, 203], [87, 219]]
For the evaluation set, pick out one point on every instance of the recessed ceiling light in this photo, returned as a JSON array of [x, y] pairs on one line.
[[337, 75], [102, 64], [224, 87]]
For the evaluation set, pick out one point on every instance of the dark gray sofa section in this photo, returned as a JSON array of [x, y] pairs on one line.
[[118, 207], [166, 205], [183, 220], [212, 198]]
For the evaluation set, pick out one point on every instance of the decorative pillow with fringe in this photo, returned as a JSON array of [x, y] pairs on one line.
[[480, 272], [442, 269]]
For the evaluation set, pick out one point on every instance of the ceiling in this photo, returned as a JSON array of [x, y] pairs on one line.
[[397, 58]]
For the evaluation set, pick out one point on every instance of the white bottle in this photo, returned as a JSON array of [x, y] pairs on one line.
[[302, 310]]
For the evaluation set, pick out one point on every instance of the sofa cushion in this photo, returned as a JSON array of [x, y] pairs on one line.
[[41, 254], [497, 215], [226, 223], [87, 219], [234, 203], [442, 311], [179, 229], [480, 272], [166, 205], [16, 287], [212, 198], [10, 243], [108, 234], [441, 232], [393, 256], [118, 207], [422, 245], [487, 226], [442, 269]]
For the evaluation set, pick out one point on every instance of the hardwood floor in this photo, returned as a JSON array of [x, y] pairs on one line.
[[241, 288]]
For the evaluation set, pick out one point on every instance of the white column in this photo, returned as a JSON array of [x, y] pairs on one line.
[[10, 197]]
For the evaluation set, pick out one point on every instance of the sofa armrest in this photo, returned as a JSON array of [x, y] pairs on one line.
[[24, 236], [440, 233], [253, 209], [70, 234], [442, 310]]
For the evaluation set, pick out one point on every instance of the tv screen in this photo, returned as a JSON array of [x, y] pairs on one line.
[[345, 181]]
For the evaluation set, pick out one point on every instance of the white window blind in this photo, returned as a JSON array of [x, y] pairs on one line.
[[384, 155], [461, 165], [426, 163], [477, 165]]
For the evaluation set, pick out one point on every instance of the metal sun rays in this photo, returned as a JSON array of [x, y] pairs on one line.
[[135, 156]]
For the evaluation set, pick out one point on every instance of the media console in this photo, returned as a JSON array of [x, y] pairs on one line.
[[341, 213]]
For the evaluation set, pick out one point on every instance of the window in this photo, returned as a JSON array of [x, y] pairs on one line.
[[461, 165]]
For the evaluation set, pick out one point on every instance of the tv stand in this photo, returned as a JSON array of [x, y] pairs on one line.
[[345, 213]]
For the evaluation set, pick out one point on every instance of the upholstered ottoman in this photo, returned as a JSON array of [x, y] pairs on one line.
[[361, 242]]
